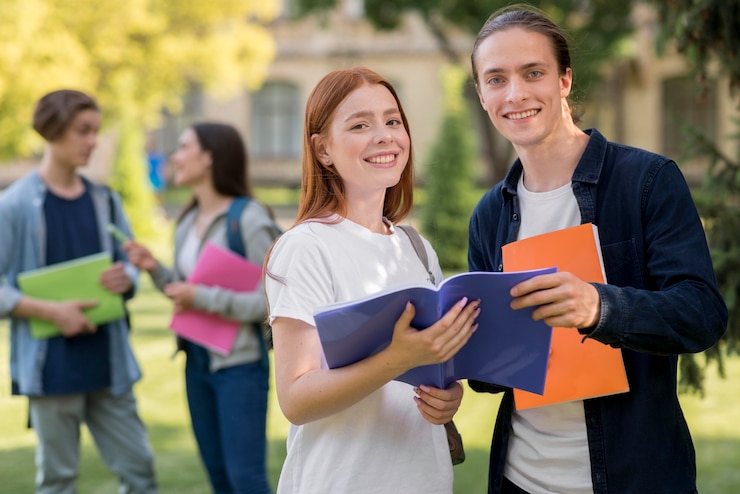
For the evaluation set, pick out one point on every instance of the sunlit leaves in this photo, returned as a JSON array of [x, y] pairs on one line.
[[139, 53]]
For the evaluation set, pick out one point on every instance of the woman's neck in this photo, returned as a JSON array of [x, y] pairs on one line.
[[211, 204], [368, 213], [209, 200]]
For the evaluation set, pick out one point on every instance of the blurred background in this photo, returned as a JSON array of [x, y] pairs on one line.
[[661, 75]]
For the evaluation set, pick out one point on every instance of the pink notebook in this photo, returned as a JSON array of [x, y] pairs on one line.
[[217, 266]]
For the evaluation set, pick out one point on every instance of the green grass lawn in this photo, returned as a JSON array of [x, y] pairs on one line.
[[714, 422]]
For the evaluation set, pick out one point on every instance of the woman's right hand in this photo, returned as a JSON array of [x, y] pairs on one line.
[[140, 256], [437, 343]]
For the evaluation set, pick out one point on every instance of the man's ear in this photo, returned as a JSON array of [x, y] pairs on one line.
[[566, 83], [319, 150]]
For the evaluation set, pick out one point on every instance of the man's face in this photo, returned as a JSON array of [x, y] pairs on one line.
[[76, 145], [520, 86]]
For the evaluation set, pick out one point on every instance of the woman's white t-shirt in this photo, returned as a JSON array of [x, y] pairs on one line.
[[381, 444]]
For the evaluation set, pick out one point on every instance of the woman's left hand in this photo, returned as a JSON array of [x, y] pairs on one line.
[[438, 406], [183, 294]]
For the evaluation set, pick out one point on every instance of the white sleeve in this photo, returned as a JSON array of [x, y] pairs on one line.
[[299, 276]]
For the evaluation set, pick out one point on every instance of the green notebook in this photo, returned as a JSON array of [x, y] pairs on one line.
[[77, 279]]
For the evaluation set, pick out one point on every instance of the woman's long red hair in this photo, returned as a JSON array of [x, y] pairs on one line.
[[322, 190]]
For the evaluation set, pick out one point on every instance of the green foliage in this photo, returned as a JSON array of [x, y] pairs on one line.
[[718, 202], [130, 180], [304, 7], [137, 53], [704, 31], [449, 177], [136, 57]]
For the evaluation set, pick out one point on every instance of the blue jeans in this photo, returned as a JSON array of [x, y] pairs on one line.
[[228, 410]]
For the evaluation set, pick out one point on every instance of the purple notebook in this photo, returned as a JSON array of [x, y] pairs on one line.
[[508, 349]]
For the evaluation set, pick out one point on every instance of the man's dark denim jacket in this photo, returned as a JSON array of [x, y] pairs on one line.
[[661, 300]]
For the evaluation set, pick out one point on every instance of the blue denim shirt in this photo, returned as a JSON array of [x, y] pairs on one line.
[[22, 248], [661, 300]]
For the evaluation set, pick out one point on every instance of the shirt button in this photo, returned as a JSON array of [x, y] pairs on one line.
[[500, 267], [515, 217]]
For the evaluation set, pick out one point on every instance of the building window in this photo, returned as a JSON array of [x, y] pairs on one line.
[[276, 122], [683, 105]]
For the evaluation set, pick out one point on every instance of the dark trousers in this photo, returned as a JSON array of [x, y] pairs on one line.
[[228, 410]]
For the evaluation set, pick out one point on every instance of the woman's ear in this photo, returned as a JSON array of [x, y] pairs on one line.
[[208, 156], [320, 150]]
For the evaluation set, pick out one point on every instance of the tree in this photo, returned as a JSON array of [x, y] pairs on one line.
[[705, 31], [598, 28], [137, 57], [718, 202], [449, 176]]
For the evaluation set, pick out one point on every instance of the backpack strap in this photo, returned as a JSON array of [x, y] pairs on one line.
[[418, 247], [234, 227], [236, 244]]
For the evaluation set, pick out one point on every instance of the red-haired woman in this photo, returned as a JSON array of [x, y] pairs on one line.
[[355, 429]]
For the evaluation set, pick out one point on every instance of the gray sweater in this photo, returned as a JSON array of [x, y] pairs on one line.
[[258, 233]]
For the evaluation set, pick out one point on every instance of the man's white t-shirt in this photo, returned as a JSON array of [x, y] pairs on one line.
[[381, 444], [548, 446]]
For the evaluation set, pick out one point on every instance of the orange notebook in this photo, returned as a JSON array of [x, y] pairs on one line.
[[577, 369]]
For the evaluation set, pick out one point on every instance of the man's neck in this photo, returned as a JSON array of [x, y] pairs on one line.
[[61, 180], [549, 166]]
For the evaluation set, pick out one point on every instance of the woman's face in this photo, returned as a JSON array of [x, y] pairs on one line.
[[75, 146], [366, 141], [190, 163]]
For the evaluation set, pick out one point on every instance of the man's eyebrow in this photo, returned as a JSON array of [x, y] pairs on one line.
[[526, 66], [532, 65]]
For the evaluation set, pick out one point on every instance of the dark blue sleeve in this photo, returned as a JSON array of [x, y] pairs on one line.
[[680, 309]]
